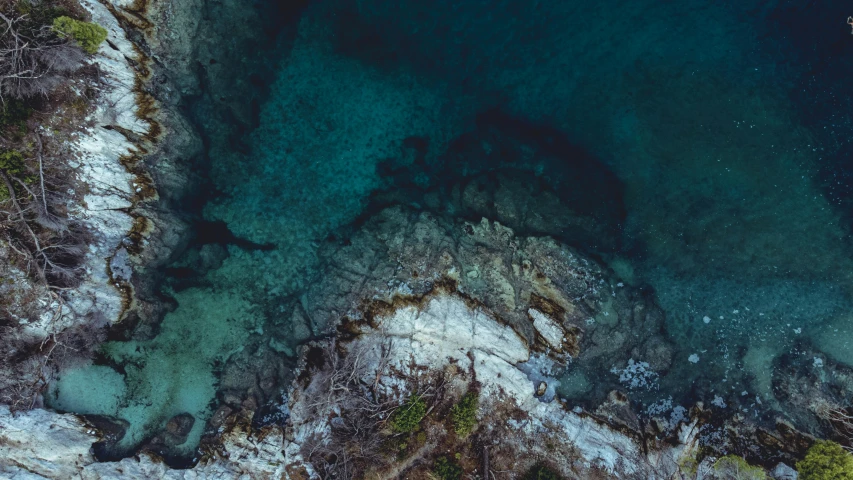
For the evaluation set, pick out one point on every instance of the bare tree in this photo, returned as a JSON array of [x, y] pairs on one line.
[[349, 383], [41, 248], [49, 245], [29, 363], [839, 418], [842, 421], [40, 242], [34, 60]]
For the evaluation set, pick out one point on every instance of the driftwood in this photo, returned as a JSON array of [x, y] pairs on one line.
[[486, 469]]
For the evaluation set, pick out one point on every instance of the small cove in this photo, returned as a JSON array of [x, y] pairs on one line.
[[719, 186]]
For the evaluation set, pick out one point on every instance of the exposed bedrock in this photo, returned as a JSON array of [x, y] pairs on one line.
[[402, 252], [402, 255], [440, 307], [470, 306]]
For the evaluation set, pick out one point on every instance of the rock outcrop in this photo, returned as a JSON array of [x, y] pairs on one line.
[[120, 158], [43, 444], [447, 344], [444, 337], [413, 304], [112, 190], [402, 253], [460, 306]]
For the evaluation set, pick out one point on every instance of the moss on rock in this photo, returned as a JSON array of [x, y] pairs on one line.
[[736, 468]]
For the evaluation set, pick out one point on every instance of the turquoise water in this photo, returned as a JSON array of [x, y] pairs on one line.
[[725, 125]]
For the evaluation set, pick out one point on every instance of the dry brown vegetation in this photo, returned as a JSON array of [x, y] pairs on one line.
[[360, 434], [45, 96], [365, 441], [34, 60], [840, 420]]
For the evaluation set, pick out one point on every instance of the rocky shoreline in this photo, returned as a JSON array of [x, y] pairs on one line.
[[412, 305], [439, 308], [119, 162]]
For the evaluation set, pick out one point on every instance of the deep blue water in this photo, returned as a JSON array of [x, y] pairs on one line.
[[702, 148]]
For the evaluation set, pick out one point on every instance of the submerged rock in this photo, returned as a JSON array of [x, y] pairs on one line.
[[528, 176], [469, 321], [178, 427], [403, 286]]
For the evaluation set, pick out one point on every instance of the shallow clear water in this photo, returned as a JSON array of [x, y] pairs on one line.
[[725, 125]]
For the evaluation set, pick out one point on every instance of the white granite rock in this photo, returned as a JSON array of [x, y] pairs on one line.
[[43, 444]]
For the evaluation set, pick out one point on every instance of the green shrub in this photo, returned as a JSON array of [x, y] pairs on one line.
[[447, 469], [541, 472], [14, 112], [464, 414], [826, 460], [88, 35], [407, 418], [689, 466], [735, 468], [12, 162]]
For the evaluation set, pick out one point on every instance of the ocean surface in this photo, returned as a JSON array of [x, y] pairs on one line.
[[709, 140]]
